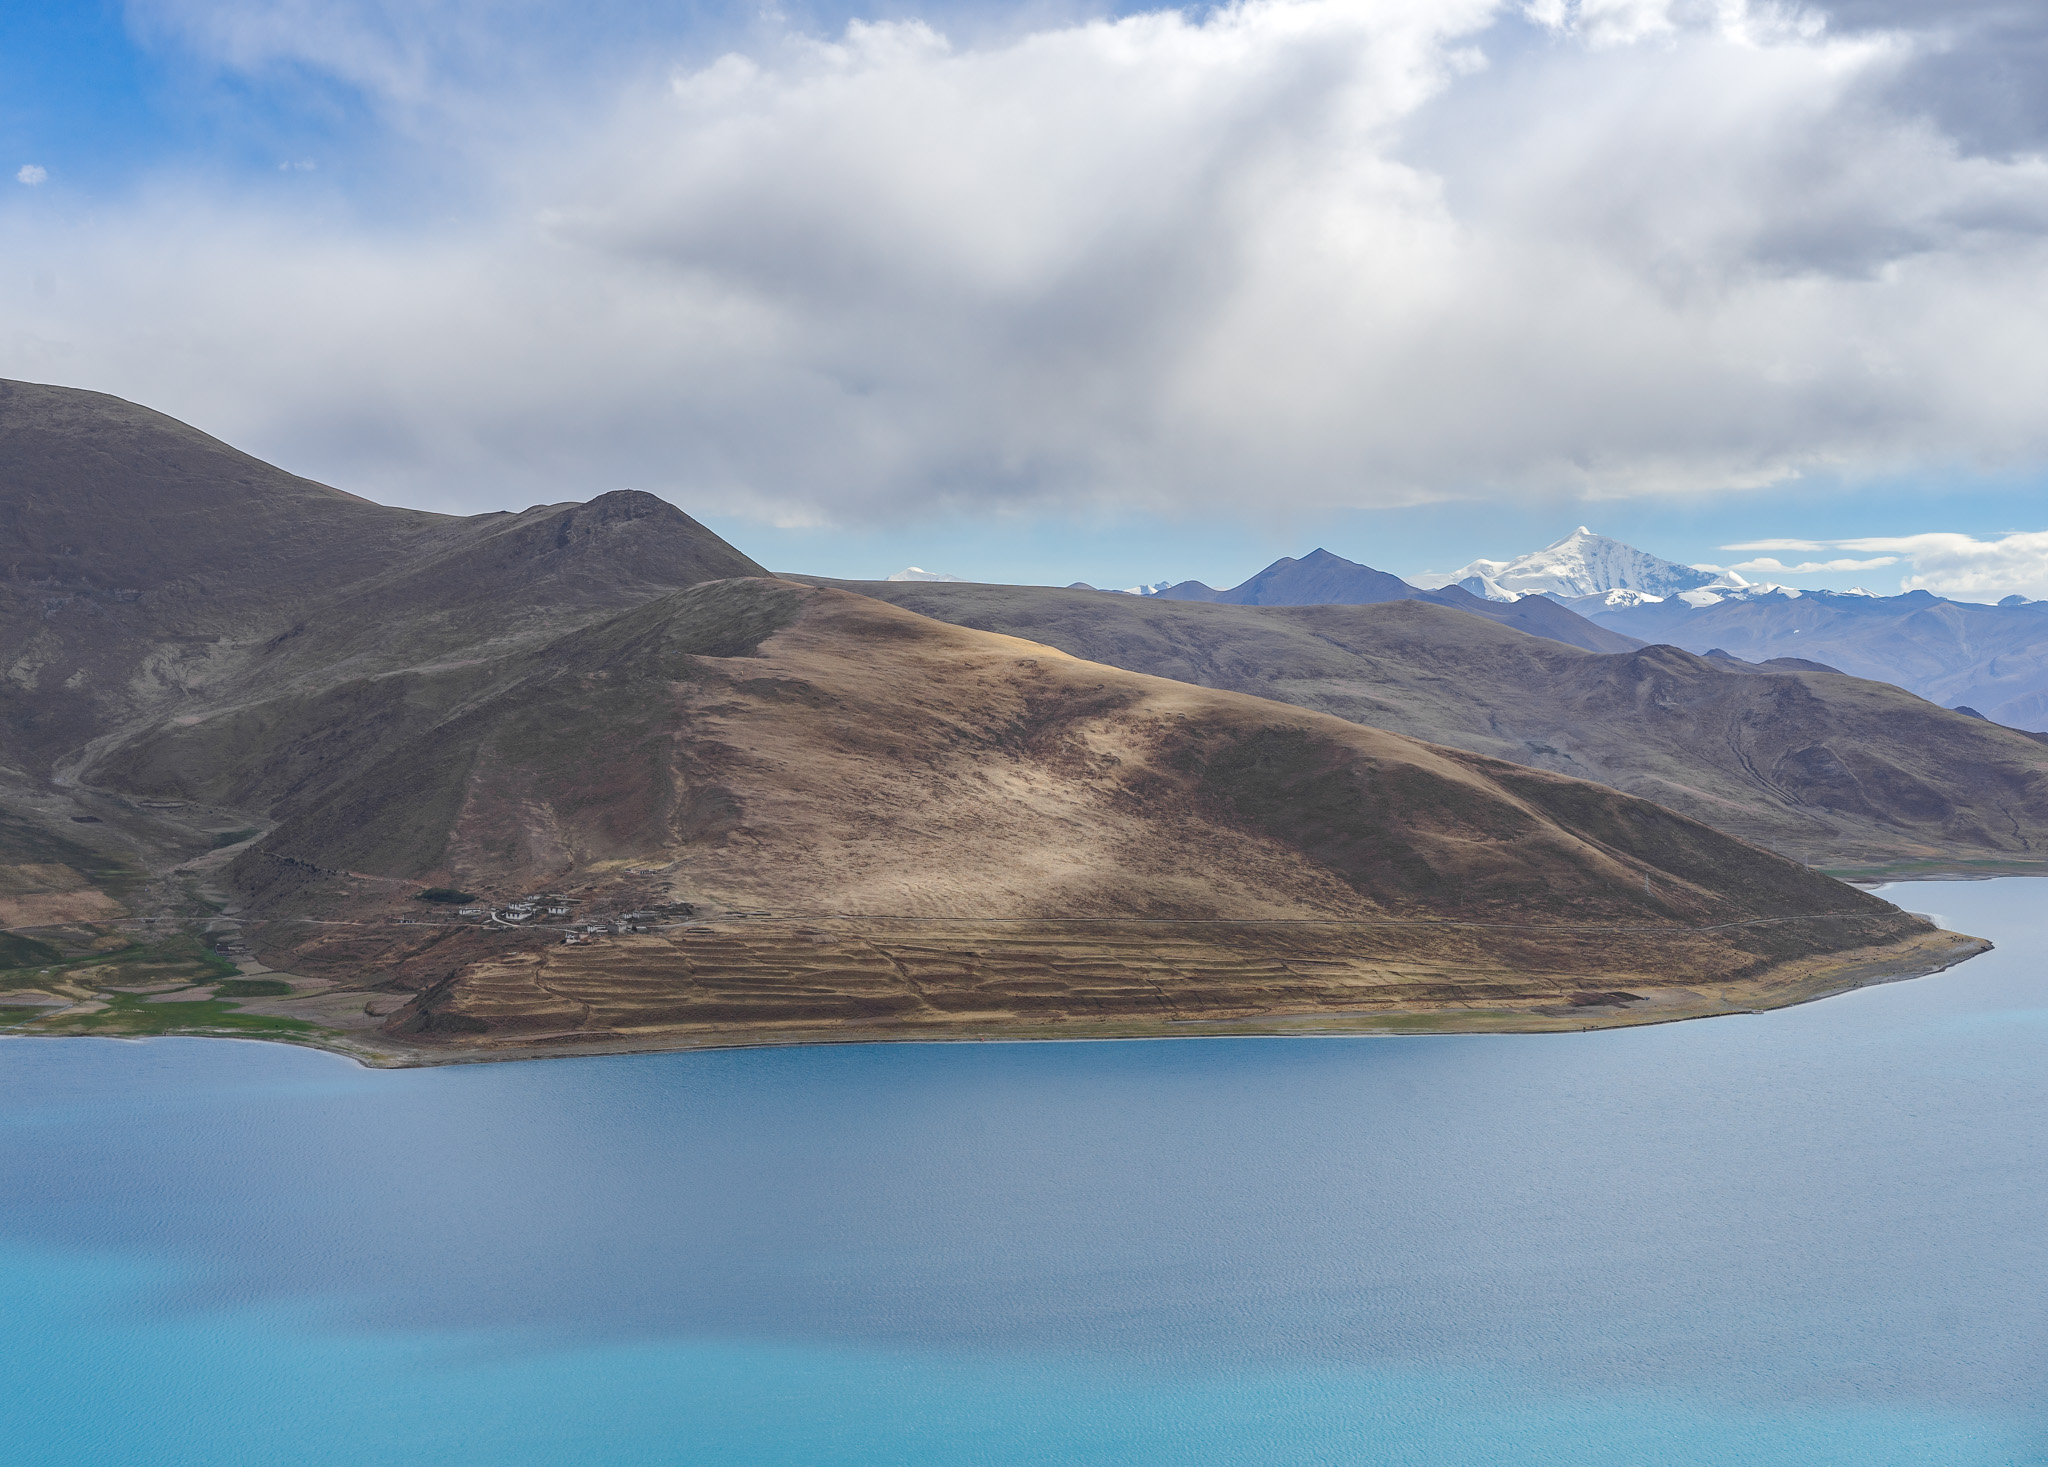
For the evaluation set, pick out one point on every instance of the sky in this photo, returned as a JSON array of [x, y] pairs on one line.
[[1059, 291]]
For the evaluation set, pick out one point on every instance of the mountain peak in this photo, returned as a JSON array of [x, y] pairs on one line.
[[1586, 564], [1320, 578]]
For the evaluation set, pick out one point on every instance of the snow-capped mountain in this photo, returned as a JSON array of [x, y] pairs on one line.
[[918, 573], [1152, 589], [1586, 564]]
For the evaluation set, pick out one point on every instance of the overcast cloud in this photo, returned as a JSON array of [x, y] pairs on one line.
[[1287, 252]]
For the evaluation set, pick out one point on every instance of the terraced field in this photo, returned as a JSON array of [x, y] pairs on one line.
[[765, 983]]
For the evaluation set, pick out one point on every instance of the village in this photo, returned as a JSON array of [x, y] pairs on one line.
[[557, 910]]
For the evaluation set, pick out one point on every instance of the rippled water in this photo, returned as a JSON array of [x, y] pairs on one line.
[[1811, 1237]]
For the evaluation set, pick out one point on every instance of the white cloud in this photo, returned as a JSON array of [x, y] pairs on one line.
[[1967, 568], [1282, 253], [31, 174], [1959, 566], [1607, 22], [1766, 565]]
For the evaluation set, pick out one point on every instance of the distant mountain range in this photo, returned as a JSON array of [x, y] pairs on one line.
[[1321, 578], [1990, 660]]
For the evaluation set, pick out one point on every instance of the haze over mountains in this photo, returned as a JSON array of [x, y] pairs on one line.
[[1323, 579], [1993, 659], [1990, 660], [852, 818]]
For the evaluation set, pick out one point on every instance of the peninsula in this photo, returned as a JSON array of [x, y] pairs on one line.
[[284, 763]]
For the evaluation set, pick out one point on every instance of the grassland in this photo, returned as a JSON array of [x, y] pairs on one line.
[[145, 990], [179, 960], [137, 1016]]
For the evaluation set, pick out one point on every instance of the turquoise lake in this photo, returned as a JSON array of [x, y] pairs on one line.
[[1811, 1237]]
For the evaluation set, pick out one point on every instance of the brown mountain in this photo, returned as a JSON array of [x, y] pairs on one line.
[[836, 818], [1812, 763], [937, 829], [149, 565]]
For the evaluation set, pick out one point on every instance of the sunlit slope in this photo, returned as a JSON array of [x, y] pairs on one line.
[[1817, 765], [841, 765], [815, 749]]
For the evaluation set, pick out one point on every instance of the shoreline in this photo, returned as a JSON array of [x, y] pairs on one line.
[[1919, 957]]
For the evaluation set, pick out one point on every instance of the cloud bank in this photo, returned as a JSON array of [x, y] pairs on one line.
[[1959, 566], [1283, 253]]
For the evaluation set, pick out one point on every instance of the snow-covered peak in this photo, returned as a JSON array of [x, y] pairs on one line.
[[1150, 590], [1586, 564], [1481, 585], [918, 573]]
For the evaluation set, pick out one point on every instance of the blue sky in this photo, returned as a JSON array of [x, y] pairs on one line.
[[1031, 293]]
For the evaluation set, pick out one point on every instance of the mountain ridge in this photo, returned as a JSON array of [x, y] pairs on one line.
[[1813, 763], [1993, 658], [1323, 578]]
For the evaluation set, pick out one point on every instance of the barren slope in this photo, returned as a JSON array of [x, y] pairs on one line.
[[942, 827], [150, 567], [1819, 766]]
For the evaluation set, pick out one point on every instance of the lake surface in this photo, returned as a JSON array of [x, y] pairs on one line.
[[1812, 1237]]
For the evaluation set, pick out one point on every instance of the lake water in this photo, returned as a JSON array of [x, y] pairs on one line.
[[1811, 1237]]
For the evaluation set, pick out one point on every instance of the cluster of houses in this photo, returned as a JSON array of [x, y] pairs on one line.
[[631, 922], [553, 907], [543, 907]]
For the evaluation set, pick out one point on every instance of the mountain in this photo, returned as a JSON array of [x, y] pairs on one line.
[[1184, 590], [1584, 564], [149, 565], [1323, 579], [919, 573], [1788, 754], [1317, 579], [245, 704], [935, 827], [1993, 658]]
